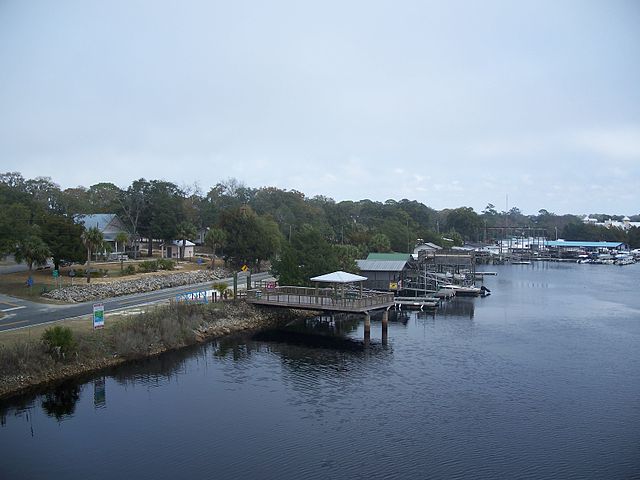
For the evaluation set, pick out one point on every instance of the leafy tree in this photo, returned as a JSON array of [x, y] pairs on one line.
[[92, 240], [633, 236], [464, 221], [215, 238], [14, 225], [164, 212], [347, 256], [380, 243], [63, 236], [134, 204], [104, 198], [75, 201], [251, 238], [32, 250], [270, 239], [45, 193], [308, 255]]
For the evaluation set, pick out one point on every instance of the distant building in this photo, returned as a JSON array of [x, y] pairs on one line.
[[625, 224], [109, 225], [172, 249], [566, 246], [199, 240]]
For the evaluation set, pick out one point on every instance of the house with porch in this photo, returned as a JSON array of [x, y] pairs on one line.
[[109, 224]]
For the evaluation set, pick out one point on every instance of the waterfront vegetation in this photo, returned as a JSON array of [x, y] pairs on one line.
[[51, 353], [247, 226]]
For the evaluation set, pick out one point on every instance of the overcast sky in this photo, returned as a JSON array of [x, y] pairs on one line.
[[456, 103]]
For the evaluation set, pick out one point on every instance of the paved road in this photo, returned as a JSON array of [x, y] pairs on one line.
[[21, 313]]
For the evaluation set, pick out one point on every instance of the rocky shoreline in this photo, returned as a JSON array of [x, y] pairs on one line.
[[97, 291], [206, 324]]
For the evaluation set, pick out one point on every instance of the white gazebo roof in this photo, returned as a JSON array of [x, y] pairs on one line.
[[339, 277]]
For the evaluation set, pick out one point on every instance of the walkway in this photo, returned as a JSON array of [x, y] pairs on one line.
[[326, 299]]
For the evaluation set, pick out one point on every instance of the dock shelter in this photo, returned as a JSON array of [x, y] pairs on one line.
[[570, 249], [589, 246]]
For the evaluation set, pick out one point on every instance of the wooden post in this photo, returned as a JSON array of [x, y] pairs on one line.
[[385, 326], [367, 328], [235, 285]]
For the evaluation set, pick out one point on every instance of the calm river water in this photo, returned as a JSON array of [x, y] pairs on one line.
[[539, 380]]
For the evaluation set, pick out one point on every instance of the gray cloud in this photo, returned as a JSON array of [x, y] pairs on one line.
[[450, 104]]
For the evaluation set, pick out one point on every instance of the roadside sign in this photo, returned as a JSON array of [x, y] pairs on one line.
[[30, 281], [56, 273], [393, 285], [98, 315], [244, 268]]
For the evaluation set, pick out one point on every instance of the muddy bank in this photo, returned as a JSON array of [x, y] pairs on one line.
[[26, 364]]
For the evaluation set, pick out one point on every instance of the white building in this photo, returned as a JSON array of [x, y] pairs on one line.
[[172, 249], [625, 224]]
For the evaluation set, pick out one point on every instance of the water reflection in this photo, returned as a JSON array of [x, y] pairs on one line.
[[458, 307], [99, 393], [157, 370], [61, 402]]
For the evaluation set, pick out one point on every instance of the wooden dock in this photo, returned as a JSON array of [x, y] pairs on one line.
[[419, 303], [326, 299]]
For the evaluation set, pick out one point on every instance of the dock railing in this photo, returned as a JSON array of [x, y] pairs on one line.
[[321, 298]]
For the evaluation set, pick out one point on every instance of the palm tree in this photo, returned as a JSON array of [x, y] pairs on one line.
[[122, 238], [32, 250], [92, 240], [215, 237], [186, 231]]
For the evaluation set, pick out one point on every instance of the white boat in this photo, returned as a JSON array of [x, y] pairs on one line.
[[463, 291]]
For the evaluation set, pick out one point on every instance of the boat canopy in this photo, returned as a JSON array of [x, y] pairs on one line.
[[339, 277]]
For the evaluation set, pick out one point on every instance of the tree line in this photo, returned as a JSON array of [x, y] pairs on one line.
[[303, 235]]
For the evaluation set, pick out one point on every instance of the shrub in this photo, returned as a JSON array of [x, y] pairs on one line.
[[148, 266], [129, 270], [166, 264], [23, 357], [221, 288], [59, 340]]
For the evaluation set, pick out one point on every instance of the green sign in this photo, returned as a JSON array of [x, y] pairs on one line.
[[98, 315], [56, 274]]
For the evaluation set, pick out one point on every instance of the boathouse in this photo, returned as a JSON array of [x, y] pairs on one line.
[[386, 271], [566, 247]]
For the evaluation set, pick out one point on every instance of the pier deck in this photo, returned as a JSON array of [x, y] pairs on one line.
[[327, 299]]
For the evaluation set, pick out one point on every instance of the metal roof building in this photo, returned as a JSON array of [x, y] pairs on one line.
[[580, 244], [389, 256], [383, 274], [109, 224], [381, 265]]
